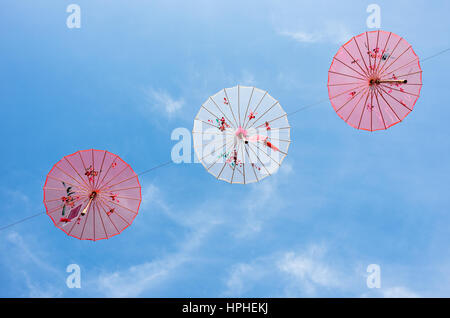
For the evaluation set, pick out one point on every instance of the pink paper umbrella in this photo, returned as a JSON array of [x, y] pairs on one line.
[[92, 194], [374, 80]]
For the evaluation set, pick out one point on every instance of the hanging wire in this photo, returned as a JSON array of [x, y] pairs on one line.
[[35, 215], [327, 99], [20, 221], [169, 162]]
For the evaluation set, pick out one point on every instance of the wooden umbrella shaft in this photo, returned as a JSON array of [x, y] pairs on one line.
[[393, 81], [87, 207], [91, 197]]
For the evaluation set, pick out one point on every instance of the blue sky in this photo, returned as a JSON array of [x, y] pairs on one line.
[[136, 70]]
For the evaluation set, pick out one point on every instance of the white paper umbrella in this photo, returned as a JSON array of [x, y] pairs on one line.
[[241, 134]]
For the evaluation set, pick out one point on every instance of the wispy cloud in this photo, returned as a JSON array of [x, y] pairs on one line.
[[289, 273], [25, 259], [162, 102], [309, 270], [148, 277], [271, 201], [331, 33]]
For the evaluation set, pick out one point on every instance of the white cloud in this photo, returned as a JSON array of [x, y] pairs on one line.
[[308, 269], [137, 279], [291, 274], [270, 202], [147, 277], [24, 261], [160, 100], [247, 79], [398, 292], [301, 36], [331, 33]]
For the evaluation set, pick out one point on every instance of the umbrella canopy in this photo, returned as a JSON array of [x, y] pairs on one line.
[[92, 194], [374, 80], [241, 134]]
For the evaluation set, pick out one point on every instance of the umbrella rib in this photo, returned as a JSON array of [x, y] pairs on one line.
[[396, 59], [125, 180], [279, 128], [55, 209], [213, 142], [128, 198], [351, 98], [390, 55], [416, 59], [212, 132], [119, 205], [272, 120], [395, 99], [123, 189], [362, 57], [218, 158], [100, 171], [384, 50], [56, 189], [225, 163], [235, 165], [93, 167], [109, 168], [101, 219], [117, 213], [248, 105], [256, 120], [220, 109], [256, 108], [349, 67], [348, 90], [262, 150], [109, 218], [345, 92], [84, 224], [376, 48], [239, 170], [82, 180], [207, 123], [93, 215], [343, 74], [258, 159], [82, 161], [229, 105], [356, 62], [75, 221], [388, 104], [78, 184], [379, 108], [104, 186], [368, 51], [284, 140], [60, 180], [404, 75], [394, 89], [243, 162], [342, 84], [356, 105], [371, 110], [252, 164], [217, 177], [363, 110], [225, 144], [209, 112]]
